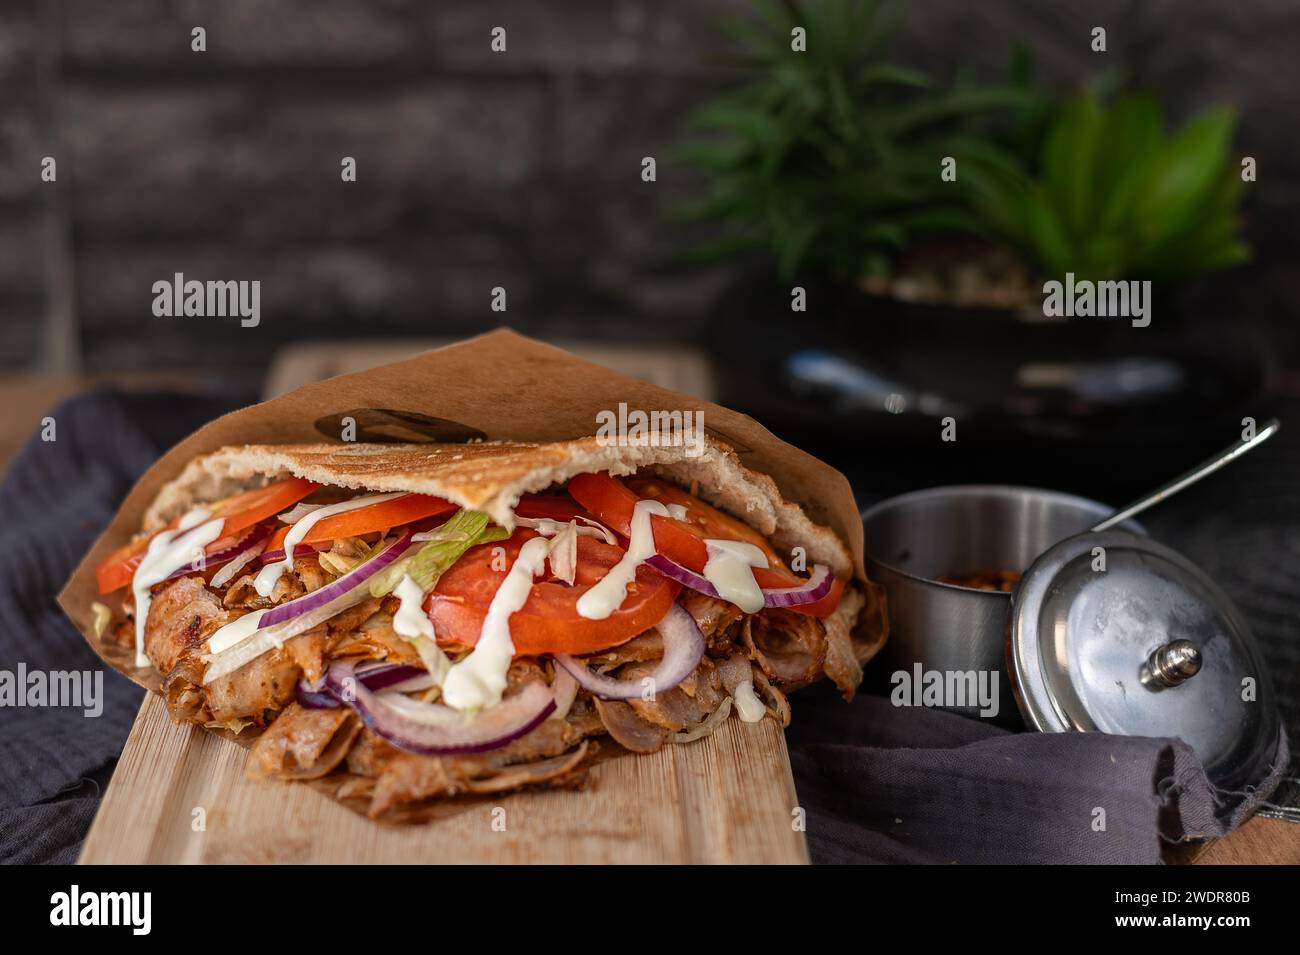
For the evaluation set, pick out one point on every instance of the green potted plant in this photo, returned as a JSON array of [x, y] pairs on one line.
[[827, 160], [824, 169], [1114, 195]]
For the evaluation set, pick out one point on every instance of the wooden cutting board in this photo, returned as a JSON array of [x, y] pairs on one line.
[[726, 799]]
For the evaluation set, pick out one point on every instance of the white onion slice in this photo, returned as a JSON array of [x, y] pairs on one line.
[[563, 554], [705, 727], [565, 690], [683, 648], [298, 512], [432, 729], [549, 527], [245, 557]]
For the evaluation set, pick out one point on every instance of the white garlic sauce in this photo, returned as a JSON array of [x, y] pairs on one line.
[[412, 623], [410, 620], [608, 594], [748, 706], [168, 552], [479, 680], [269, 575], [730, 570]]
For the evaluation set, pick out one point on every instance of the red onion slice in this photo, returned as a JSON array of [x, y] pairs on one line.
[[683, 575], [348, 582], [378, 677], [225, 550], [431, 729], [302, 550], [810, 591], [314, 696], [233, 646], [683, 648], [395, 677]]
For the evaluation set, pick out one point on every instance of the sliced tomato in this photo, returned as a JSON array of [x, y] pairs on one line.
[[380, 516], [706, 519], [682, 541], [612, 502], [253, 507], [558, 507], [606, 497], [241, 511], [549, 621]]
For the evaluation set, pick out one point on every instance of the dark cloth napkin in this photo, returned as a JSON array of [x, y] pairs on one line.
[[878, 784], [882, 784], [56, 498]]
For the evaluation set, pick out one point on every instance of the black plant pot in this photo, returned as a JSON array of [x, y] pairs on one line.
[[1092, 406]]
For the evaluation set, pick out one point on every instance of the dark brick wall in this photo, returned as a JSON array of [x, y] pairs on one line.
[[24, 206], [475, 169]]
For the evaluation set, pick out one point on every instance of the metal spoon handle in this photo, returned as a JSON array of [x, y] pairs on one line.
[[1236, 450]]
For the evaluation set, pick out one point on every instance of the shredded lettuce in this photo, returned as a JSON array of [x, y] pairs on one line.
[[440, 548], [103, 617]]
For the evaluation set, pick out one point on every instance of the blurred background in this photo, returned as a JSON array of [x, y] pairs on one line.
[[523, 169], [799, 253]]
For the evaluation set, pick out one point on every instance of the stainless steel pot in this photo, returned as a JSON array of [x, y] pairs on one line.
[[951, 531]]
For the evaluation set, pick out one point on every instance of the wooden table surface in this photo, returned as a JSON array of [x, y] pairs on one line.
[[28, 397], [724, 800]]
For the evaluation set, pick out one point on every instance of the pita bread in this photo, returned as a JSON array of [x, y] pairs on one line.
[[490, 476], [543, 399]]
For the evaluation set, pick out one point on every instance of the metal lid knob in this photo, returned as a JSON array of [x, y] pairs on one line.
[[1082, 632], [1171, 664]]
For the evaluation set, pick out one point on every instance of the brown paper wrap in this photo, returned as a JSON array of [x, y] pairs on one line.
[[501, 385]]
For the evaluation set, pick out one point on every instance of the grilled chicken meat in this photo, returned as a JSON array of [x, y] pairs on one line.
[[771, 650]]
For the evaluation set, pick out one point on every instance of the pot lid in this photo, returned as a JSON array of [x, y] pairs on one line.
[[1115, 633]]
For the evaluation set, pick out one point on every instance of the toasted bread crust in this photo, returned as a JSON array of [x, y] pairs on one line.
[[490, 476]]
